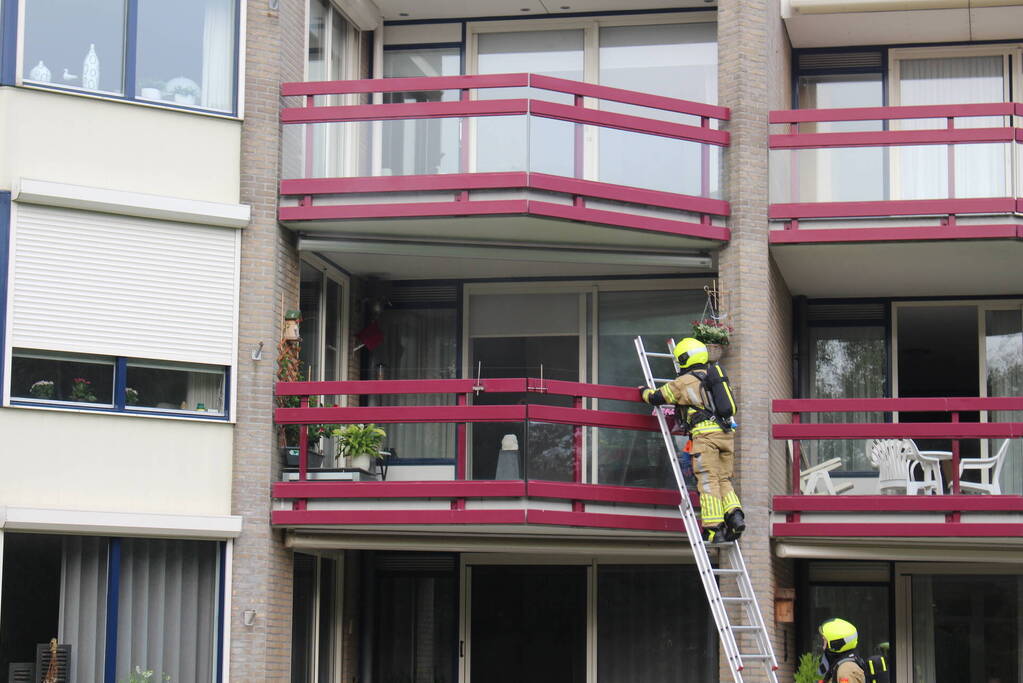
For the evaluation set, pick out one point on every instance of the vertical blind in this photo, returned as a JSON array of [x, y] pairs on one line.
[[83, 598]]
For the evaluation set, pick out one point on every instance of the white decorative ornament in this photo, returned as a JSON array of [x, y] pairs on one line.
[[90, 69], [68, 76], [40, 73]]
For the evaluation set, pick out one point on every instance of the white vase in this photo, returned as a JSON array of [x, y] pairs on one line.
[[90, 69], [40, 73]]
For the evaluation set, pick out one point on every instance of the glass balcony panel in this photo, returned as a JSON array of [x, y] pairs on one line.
[[657, 163], [421, 146], [553, 147], [551, 451], [502, 144]]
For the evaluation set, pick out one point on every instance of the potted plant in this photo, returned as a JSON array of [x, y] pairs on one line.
[[131, 396], [808, 670], [81, 390], [714, 334], [42, 389], [360, 444], [182, 90]]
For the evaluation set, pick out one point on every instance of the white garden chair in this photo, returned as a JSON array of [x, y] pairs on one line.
[[990, 469], [817, 480], [899, 461]]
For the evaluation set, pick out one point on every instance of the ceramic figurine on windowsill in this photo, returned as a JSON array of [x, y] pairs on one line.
[[90, 69], [40, 73]]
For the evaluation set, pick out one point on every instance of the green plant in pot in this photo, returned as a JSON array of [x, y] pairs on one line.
[[360, 443], [808, 669]]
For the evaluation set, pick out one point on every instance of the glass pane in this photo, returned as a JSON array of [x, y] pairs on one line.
[[867, 607], [501, 140], [303, 611], [652, 626], [979, 170], [415, 629], [317, 57], [75, 44], [421, 146], [528, 624], [1004, 358], [966, 629], [186, 52], [674, 60], [333, 324], [627, 458], [328, 617], [311, 328], [166, 387], [845, 362], [417, 344], [49, 377]]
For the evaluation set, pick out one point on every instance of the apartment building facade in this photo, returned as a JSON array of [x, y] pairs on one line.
[[474, 208]]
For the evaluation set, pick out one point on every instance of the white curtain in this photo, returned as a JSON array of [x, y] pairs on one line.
[[218, 55], [206, 388], [83, 605], [923, 629], [979, 169], [1004, 354], [167, 609]]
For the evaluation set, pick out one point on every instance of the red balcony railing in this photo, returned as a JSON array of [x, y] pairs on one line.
[[943, 161], [801, 430], [442, 150], [460, 492]]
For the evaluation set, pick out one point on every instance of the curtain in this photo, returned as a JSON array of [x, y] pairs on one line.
[[923, 629], [217, 54], [83, 605], [418, 344], [1004, 344], [168, 608], [206, 388], [845, 362], [979, 169]]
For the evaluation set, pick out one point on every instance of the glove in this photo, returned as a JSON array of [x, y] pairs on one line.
[[645, 393]]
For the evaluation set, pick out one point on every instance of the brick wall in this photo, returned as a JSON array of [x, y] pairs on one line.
[[753, 78], [262, 577]]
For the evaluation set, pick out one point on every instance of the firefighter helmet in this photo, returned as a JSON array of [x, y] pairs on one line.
[[839, 635], [690, 352]]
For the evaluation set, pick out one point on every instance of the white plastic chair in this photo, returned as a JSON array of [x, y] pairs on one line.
[[990, 469], [817, 479], [898, 461]]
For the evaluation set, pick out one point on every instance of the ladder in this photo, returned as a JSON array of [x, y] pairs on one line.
[[752, 622]]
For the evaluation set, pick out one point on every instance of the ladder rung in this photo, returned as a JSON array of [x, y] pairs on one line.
[[654, 354], [745, 629], [663, 380], [758, 656], [727, 571], [736, 599]]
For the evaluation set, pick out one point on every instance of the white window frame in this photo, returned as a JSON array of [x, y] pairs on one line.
[[329, 272]]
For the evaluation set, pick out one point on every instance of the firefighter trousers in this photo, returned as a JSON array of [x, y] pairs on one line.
[[713, 463]]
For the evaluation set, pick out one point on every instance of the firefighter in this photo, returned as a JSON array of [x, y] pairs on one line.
[[712, 443], [839, 661]]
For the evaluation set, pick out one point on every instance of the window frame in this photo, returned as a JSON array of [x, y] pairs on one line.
[[119, 366], [15, 71]]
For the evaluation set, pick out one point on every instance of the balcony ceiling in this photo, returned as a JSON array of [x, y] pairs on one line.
[[405, 10], [833, 23], [950, 268]]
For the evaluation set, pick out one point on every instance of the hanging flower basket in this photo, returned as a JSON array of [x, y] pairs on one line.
[[715, 352]]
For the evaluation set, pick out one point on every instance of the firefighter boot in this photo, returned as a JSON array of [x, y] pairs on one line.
[[714, 534], [735, 522]]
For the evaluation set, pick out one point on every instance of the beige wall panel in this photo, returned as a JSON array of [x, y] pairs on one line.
[[115, 145], [114, 463]]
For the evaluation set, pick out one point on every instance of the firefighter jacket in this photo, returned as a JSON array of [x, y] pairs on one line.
[[847, 671], [685, 392]]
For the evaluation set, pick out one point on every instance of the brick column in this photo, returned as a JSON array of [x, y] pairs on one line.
[[753, 78], [262, 576]]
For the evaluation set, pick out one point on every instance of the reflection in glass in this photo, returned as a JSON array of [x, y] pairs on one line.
[[502, 141], [45, 376], [421, 146], [186, 52], [866, 606], [630, 458], [674, 60], [166, 386], [415, 627], [75, 44], [845, 362], [1004, 363]]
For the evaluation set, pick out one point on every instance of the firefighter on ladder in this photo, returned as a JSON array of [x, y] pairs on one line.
[[711, 439]]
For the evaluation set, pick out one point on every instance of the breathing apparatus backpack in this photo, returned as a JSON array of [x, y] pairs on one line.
[[875, 669], [717, 396]]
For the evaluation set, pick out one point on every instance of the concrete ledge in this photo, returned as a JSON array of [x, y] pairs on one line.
[[40, 520]]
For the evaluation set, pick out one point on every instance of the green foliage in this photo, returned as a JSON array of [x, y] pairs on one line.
[[140, 675], [359, 439], [807, 672], [710, 331], [81, 390]]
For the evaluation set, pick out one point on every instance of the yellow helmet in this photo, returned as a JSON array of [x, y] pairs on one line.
[[690, 352], [839, 635]]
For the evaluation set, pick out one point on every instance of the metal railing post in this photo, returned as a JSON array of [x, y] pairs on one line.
[[955, 458]]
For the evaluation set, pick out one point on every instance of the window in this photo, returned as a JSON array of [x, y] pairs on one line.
[[125, 385], [185, 52]]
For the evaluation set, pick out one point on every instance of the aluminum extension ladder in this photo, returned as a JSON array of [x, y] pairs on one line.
[[736, 569]]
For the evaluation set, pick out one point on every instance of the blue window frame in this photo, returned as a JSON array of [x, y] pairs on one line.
[[181, 54], [118, 384], [8, 40]]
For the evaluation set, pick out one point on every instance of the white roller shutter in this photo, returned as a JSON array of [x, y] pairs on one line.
[[123, 286]]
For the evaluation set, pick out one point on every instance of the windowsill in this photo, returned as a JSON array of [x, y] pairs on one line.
[[104, 410], [111, 97]]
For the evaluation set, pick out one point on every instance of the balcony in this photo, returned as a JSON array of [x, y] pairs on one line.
[[866, 198], [558, 463], [508, 161], [953, 510]]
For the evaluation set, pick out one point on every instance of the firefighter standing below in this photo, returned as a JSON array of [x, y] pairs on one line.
[[839, 661], [713, 442]]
